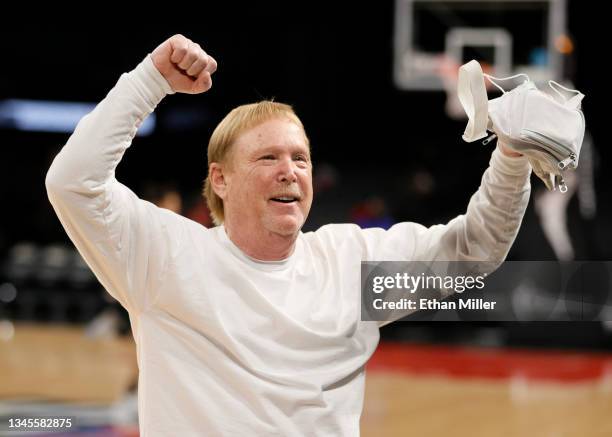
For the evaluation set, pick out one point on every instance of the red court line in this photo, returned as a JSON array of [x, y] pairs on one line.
[[471, 362]]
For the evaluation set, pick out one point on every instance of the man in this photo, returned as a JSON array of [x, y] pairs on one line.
[[251, 327]]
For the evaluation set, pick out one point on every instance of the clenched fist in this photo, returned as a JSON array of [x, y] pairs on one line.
[[184, 64]]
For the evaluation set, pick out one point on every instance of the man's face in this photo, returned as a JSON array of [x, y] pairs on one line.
[[269, 179]]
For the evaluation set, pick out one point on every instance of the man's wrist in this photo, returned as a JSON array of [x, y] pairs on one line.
[[507, 150]]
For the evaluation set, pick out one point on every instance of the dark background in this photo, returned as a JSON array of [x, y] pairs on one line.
[[333, 63]]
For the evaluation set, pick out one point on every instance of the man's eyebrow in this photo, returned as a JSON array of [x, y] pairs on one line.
[[274, 148]]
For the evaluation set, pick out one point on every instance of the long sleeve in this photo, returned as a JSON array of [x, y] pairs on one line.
[[484, 233], [122, 238]]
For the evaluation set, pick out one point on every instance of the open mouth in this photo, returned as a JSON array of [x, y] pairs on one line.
[[285, 199]]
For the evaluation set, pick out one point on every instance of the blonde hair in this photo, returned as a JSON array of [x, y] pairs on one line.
[[238, 121]]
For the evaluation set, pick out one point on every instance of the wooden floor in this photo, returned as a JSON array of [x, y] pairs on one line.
[[401, 401], [411, 390], [61, 364]]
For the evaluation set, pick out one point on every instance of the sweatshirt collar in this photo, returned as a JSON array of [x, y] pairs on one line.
[[256, 263]]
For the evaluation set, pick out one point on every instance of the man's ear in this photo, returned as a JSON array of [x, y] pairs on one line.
[[218, 175]]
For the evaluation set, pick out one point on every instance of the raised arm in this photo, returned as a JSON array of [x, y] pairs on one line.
[[484, 233], [493, 217], [123, 239]]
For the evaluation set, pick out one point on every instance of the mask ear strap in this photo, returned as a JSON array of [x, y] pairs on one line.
[[492, 79], [574, 100], [472, 95]]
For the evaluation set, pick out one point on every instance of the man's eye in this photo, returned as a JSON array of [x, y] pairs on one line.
[[300, 158], [267, 157]]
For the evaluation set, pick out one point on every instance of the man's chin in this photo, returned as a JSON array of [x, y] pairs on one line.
[[285, 226]]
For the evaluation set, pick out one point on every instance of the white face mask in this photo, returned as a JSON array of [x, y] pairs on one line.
[[548, 130]]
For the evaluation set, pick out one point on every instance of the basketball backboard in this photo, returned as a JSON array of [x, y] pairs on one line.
[[433, 38]]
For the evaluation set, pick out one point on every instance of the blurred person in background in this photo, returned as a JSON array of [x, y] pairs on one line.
[[251, 327], [165, 195]]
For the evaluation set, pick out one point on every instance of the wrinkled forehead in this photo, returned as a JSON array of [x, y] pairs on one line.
[[278, 134]]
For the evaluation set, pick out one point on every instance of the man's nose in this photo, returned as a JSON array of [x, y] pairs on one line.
[[287, 171]]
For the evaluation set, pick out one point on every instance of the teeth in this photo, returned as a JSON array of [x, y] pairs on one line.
[[285, 199]]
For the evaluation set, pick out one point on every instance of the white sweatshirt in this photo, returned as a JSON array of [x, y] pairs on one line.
[[228, 345]]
